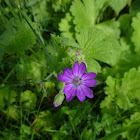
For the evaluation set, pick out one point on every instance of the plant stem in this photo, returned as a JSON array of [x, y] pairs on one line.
[[10, 73], [37, 117]]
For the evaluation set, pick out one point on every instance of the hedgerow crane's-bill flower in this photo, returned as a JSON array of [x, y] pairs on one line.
[[77, 82]]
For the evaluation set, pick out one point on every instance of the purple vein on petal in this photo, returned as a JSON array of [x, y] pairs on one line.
[[71, 94], [75, 69], [87, 91], [89, 83], [82, 69], [67, 88], [89, 75], [68, 72], [80, 94]]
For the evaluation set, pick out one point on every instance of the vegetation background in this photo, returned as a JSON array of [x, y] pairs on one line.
[[39, 38]]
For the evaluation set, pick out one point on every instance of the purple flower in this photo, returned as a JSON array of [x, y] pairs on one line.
[[77, 82]]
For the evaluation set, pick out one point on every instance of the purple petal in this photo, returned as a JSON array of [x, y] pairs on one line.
[[80, 94], [82, 68], [64, 78], [60, 77], [55, 104], [75, 69], [71, 94], [68, 72], [87, 91], [90, 82], [67, 88], [89, 75]]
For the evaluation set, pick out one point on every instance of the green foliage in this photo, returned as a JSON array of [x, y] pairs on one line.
[[130, 84], [136, 33], [18, 37], [49, 87], [25, 131], [61, 5], [75, 114], [96, 45], [110, 28], [85, 13], [87, 134], [1, 52], [28, 99], [66, 26], [45, 121], [123, 93], [107, 124], [39, 10], [12, 112], [125, 24], [7, 96], [32, 67], [57, 51], [104, 48], [91, 62], [118, 5], [104, 34], [135, 133], [135, 7]]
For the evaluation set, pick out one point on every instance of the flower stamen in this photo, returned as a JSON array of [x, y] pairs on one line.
[[77, 81]]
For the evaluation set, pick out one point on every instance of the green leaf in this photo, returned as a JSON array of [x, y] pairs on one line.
[[2, 50], [134, 133], [69, 42], [45, 121], [18, 37], [89, 11], [109, 124], [66, 26], [108, 106], [61, 5], [134, 8], [113, 86], [120, 131], [12, 112], [110, 28], [25, 131], [49, 88], [118, 5], [57, 51], [86, 12], [39, 10], [130, 84], [7, 96], [87, 134], [125, 24], [114, 91], [76, 115], [95, 44], [126, 62], [122, 93], [93, 65], [28, 99], [32, 67], [136, 33]]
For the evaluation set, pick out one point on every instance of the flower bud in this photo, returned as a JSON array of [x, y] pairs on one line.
[[58, 99]]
